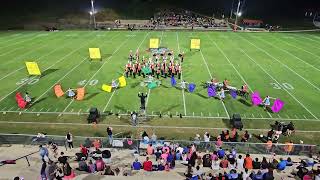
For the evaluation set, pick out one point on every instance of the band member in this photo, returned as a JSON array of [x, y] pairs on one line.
[[142, 100], [244, 91], [137, 55], [173, 70], [222, 95], [134, 70], [126, 70], [266, 102], [179, 70], [139, 68], [158, 72], [225, 84], [152, 67], [130, 55]]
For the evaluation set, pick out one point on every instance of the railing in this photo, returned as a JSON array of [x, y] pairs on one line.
[[22, 157], [241, 147]]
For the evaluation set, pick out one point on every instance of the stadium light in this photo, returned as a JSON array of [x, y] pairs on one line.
[[239, 14], [92, 13]]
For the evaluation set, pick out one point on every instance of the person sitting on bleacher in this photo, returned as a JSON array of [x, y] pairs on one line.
[[136, 165]]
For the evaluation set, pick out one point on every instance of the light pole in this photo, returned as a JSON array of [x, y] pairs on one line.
[[92, 13], [231, 12], [238, 14]]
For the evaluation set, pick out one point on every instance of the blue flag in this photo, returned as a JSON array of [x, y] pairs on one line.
[[173, 81], [191, 87], [233, 93], [211, 91]]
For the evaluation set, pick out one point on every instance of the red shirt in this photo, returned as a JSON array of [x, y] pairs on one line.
[[248, 163], [147, 166]]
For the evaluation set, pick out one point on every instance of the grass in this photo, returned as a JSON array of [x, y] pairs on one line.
[[282, 65]]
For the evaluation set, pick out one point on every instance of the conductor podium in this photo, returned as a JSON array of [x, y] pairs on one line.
[[235, 121], [93, 115]]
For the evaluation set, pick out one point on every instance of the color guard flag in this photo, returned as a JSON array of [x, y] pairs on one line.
[[256, 99], [195, 44], [95, 53], [122, 81], [33, 68], [106, 88], [233, 93], [277, 105], [146, 70], [154, 43], [152, 85], [173, 81], [191, 87], [212, 91]]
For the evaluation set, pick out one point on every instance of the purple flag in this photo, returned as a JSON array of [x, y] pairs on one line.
[[211, 91], [173, 81], [192, 87], [233, 93], [256, 99], [277, 105]]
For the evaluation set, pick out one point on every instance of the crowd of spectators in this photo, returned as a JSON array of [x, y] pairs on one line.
[[186, 19]]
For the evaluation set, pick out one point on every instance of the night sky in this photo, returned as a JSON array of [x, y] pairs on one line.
[[251, 8]]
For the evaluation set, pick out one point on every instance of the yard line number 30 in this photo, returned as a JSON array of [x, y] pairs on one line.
[[282, 86]]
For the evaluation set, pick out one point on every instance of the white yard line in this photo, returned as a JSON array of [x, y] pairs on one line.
[[280, 63], [226, 57], [72, 52], [14, 38], [18, 42], [106, 106], [288, 52], [205, 62], [305, 37], [182, 90], [59, 47], [107, 60], [263, 69]]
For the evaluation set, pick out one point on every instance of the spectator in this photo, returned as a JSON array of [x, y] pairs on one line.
[[224, 163], [43, 170], [108, 171], [150, 149], [67, 170], [258, 176], [245, 137], [62, 159], [310, 161], [215, 164], [50, 170], [214, 155], [248, 162], [289, 162], [44, 153], [136, 165], [158, 154], [147, 165], [206, 159], [264, 163], [268, 175], [99, 164], [232, 161], [221, 153], [106, 156], [240, 162], [109, 133], [282, 164], [83, 165], [206, 138], [192, 160], [189, 172], [256, 164], [154, 138], [197, 139], [178, 156], [69, 140], [92, 167], [219, 142], [245, 174], [233, 175], [198, 172], [59, 174]]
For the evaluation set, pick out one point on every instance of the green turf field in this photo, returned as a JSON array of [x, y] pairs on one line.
[[282, 65]]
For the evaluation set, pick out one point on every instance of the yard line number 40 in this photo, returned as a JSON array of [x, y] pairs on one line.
[[282, 86]]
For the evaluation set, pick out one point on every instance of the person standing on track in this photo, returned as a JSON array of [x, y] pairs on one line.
[[143, 100]]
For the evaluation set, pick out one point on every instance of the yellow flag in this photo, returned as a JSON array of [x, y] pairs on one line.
[[95, 53], [106, 88], [122, 81], [33, 68], [154, 43], [195, 44]]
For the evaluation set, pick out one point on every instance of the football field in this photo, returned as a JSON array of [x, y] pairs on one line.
[[281, 65]]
